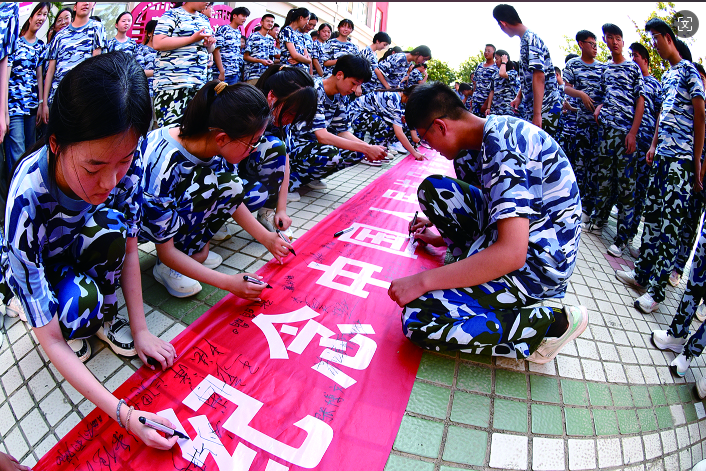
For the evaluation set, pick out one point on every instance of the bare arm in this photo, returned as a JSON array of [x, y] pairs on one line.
[[399, 134], [382, 78], [348, 141], [296, 56], [699, 127], [162, 42], [538, 96]]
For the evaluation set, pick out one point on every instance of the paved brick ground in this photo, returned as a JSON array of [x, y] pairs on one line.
[[607, 402]]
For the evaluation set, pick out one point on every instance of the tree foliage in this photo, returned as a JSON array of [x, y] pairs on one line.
[[467, 67], [440, 71]]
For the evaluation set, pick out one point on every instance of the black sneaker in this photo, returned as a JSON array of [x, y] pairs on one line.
[[118, 336]]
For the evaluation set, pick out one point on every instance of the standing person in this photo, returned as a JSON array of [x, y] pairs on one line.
[[191, 188], [292, 42], [327, 145], [504, 264], [227, 56], [72, 45], [121, 41], [183, 39], [381, 41], [397, 65], [643, 171], [539, 93], [24, 87], [568, 118], [619, 118], [61, 21], [292, 99], [70, 238], [502, 90], [482, 80], [259, 51], [675, 154], [337, 47], [146, 55], [325, 31], [309, 38], [582, 78]]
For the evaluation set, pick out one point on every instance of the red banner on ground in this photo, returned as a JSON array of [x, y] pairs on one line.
[[316, 376]]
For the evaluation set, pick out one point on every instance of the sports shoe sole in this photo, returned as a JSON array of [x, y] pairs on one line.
[[632, 284], [701, 394], [675, 371], [176, 294], [314, 186], [541, 359], [115, 348], [213, 265], [650, 310], [84, 354], [615, 254], [661, 346]]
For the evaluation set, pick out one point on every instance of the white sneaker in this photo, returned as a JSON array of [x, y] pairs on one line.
[[634, 253], [628, 277], [178, 285], [701, 389], [701, 465], [646, 304], [399, 148], [585, 218], [701, 312], [213, 260], [81, 348], [317, 185], [614, 212], [674, 278], [224, 233], [550, 347], [591, 228], [680, 365], [118, 336], [293, 196], [15, 309], [664, 341], [616, 250], [372, 163], [266, 217]]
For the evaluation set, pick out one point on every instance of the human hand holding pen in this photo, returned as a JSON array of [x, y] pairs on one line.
[[277, 246], [420, 223], [241, 287]]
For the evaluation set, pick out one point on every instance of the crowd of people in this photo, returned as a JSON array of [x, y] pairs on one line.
[[112, 143]]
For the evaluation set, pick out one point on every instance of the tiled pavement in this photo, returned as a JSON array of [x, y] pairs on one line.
[[607, 402]]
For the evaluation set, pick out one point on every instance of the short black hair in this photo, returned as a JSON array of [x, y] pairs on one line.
[[312, 16], [353, 66], [641, 51], [462, 87], [569, 57], [502, 52], [506, 13], [610, 28], [490, 45], [325, 25], [700, 68], [348, 22], [267, 15], [660, 26], [239, 11], [430, 101], [382, 37], [584, 34], [683, 49]]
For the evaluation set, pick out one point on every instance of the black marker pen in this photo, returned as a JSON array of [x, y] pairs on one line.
[[250, 279], [414, 221], [162, 428], [340, 233], [286, 239]]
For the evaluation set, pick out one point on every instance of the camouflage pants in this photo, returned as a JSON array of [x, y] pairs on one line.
[[616, 182], [381, 133], [475, 108], [492, 318], [567, 137], [586, 163], [314, 161], [690, 229], [266, 165], [550, 119], [665, 211], [643, 173], [169, 105], [213, 197], [85, 278], [693, 295]]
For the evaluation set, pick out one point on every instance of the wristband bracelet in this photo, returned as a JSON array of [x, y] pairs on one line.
[[117, 412], [127, 420]]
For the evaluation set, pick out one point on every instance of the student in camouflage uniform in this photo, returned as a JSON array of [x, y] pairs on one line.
[[676, 155], [542, 105], [619, 118], [567, 120], [497, 233], [482, 80], [502, 90]]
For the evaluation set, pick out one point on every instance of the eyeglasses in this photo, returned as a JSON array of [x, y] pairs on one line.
[[590, 43], [421, 138], [251, 146]]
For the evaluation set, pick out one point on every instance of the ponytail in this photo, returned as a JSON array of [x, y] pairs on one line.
[[294, 90], [240, 110]]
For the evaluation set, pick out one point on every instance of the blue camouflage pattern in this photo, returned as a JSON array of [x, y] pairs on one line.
[[129, 46], [266, 165], [585, 78], [394, 68], [534, 55], [621, 85], [288, 35], [415, 77], [483, 78], [259, 47], [71, 46], [503, 93], [333, 49], [9, 27], [23, 92], [186, 66], [43, 227], [331, 114], [147, 58], [653, 104], [228, 42], [680, 85]]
